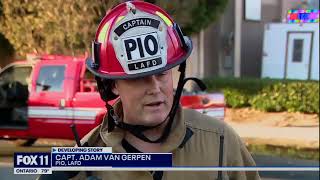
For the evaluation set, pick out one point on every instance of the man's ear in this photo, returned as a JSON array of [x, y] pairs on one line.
[[114, 88]]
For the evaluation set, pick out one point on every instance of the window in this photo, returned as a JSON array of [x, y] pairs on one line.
[[297, 50], [16, 73], [252, 10], [50, 78], [88, 83]]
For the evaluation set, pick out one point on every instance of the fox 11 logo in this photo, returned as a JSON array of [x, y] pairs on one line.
[[32, 163], [32, 160]]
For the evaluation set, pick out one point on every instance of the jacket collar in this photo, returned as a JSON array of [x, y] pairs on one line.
[[113, 139]]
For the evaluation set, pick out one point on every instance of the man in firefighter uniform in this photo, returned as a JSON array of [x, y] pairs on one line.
[[136, 46]]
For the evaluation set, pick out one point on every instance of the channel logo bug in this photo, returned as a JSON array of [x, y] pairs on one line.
[[32, 160]]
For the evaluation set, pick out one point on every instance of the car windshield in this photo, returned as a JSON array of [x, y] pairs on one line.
[[50, 78]]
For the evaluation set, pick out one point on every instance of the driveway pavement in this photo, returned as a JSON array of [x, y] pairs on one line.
[[300, 137]]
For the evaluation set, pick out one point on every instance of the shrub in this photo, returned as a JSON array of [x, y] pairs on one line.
[[235, 98], [268, 94]]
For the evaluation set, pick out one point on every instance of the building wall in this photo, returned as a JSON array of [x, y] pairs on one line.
[[252, 38], [208, 56], [251, 48], [213, 54], [211, 45], [226, 48], [275, 64], [218, 45]]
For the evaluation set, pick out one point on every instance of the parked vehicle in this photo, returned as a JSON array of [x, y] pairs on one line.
[[43, 98]]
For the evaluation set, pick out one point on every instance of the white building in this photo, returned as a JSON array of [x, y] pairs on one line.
[[291, 51], [233, 45]]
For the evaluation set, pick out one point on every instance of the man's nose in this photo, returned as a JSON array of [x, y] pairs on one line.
[[153, 85]]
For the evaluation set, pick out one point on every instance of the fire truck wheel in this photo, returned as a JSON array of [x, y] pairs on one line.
[[25, 142]]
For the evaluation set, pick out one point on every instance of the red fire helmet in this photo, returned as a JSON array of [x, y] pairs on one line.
[[137, 39]]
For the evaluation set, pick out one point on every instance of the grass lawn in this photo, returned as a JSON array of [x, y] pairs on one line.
[[291, 152]]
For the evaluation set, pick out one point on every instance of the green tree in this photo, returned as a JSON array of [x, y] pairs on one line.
[[68, 26], [46, 26], [6, 51], [6, 48]]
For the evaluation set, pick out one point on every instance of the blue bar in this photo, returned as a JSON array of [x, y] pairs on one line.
[[112, 160]]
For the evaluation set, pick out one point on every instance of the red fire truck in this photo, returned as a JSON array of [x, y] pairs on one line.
[[42, 98]]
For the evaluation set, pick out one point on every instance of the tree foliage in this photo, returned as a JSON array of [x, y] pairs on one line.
[[68, 26], [46, 26], [6, 51], [193, 15]]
